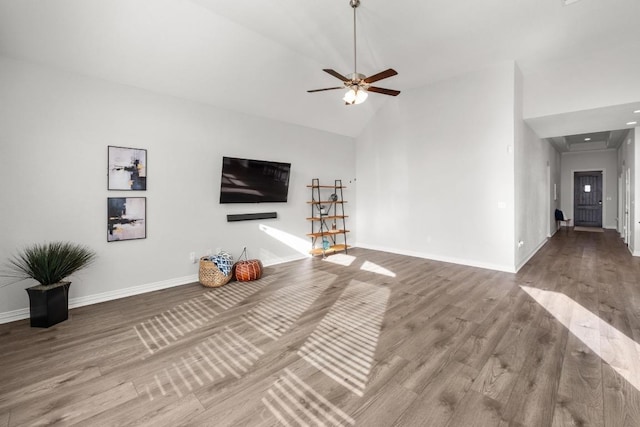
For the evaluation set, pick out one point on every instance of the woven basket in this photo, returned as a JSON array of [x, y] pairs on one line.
[[210, 276]]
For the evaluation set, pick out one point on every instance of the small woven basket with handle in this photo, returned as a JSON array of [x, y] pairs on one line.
[[210, 275]]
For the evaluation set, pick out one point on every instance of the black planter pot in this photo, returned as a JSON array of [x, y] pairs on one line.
[[48, 305]]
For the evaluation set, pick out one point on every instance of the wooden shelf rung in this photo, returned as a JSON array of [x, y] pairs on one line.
[[327, 201], [331, 250], [325, 217], [327, 233]]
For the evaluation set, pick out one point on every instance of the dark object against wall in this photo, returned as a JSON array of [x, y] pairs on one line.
[[48, 305], [247, 217], [253, 181]]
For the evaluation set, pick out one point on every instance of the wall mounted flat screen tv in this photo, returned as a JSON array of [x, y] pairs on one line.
[[253, 181]]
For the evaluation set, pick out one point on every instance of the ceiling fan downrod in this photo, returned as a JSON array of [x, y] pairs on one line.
[[354, 4]]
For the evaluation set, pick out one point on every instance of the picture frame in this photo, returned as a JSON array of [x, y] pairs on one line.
[[126, 168], [126, 218]]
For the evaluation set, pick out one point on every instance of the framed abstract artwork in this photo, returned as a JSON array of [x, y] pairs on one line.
[[127, 168], [126, 218]]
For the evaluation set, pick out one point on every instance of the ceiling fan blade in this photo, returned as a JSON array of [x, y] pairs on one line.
[[382, 75], [329, 88], [384, 91], [336, 75]]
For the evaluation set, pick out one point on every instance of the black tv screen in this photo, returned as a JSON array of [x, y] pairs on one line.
[[253, 181]]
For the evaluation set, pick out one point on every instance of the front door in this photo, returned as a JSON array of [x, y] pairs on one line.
[[587, 199]]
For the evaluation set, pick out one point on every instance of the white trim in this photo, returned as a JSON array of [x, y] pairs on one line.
[[470, 263], [535, 251], [282, 260], [129, 292], [23, 313], [599, 150], [12, 316]]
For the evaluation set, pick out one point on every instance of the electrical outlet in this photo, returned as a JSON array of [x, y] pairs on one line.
[[192, 257]]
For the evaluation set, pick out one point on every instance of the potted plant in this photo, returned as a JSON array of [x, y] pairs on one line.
[[49, 264]]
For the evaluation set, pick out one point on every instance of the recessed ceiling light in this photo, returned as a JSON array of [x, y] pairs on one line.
[[632, 123], [587, 139], [637, 111]]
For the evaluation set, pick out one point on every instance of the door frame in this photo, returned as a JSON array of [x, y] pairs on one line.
[[620, 217], [604, 186], [627, 205], [548, 203]]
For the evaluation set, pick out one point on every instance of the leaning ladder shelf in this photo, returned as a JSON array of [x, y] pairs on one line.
[[327, 207]]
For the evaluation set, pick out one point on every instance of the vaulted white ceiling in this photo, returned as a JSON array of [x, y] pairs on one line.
[[260, 57]]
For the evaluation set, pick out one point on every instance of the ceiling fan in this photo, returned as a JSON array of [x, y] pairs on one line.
[[359, 85]]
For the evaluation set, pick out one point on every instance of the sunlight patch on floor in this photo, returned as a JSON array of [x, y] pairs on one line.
[[618, 350], [340, 259], [375, 268], [275, 314], [221, 354], [299, 245], [346, 261], [343, 345], [168, 327], [294, 402], [233, 293], [230, 352]]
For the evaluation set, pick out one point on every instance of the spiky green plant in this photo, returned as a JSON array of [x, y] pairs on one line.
[[50, 263]]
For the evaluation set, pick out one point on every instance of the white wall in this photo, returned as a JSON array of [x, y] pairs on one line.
[[626, 165], [537, 168], [54, 131], [606, 77], [604, 160], [634, 153], [627, 162], [435, 172]]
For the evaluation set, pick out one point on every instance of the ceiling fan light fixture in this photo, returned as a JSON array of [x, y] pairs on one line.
[[349, 97], [355, 96]]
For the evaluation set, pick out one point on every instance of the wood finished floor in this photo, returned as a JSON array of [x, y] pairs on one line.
[[379, 340]]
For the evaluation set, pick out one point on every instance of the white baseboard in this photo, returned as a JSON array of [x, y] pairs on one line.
[[23, 313], [282, 260], [12, 316], [129, 292], [528, 257], [453, 260]]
